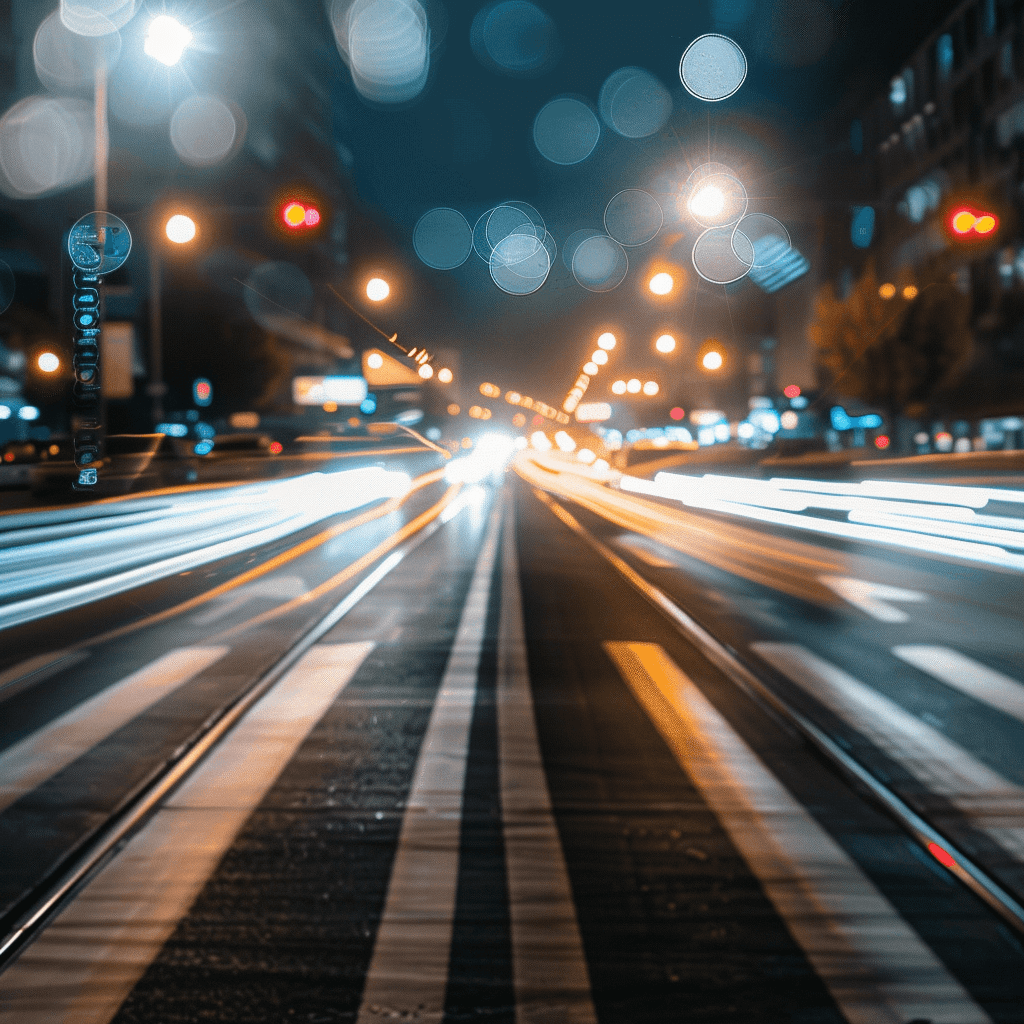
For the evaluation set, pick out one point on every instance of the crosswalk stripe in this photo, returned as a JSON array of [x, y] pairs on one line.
[[408, 971], [40, 755], [967, 675], [84, 965], [990, 802], [549, 968], [873, 963]]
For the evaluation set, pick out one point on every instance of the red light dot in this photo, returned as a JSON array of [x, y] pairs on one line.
[[792, 390], [677, 413], [8, 456], [276, 447], [537, 420], [942, 855], [312, 217], [881, 441]]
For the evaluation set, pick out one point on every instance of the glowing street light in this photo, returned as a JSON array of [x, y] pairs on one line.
[[651, 388], [619, 387], [590, 369], [426, 371], [374, 360], [599, 356], [666, 343], [633, 386], [887, 290], [444, 375], [377, 289], [708, 201], [606, 341], [662, 284], [48, 362], [166, 40], [180, 229], [712, 360]]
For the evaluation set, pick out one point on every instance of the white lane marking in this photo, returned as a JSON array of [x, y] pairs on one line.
[[408, 972], [989, 801], [873, 598], [40, 755], [875, 966], [549, 967], [638, 546], [85, 964], [967, 675]]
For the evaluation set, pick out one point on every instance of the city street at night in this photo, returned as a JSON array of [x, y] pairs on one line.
[[511, 512]]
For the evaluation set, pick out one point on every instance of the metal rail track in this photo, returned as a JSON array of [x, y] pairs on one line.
[[937, 845], [30, 916]]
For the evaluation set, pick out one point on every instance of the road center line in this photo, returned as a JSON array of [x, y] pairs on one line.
[[873, 963], [85, 964], [408, 972], [549, 967], [40, 755]]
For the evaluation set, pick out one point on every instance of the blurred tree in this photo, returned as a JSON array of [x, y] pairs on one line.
[[896, 354]]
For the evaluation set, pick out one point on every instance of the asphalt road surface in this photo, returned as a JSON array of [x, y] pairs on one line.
[[528, 748]]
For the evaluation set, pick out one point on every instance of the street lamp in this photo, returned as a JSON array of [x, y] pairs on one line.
[[606, 341], [166, 40], [712, 360], [377, 289], [661, 284], [665, 344], [179, 229], [48, 362]]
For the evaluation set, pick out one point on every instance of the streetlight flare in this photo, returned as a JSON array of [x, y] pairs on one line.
[[599, 356], [651, 388], [377, 289], [374, 360], [661, 284], [887, 290], [666, 343], [48, 362], [708, 201], [426, 371], [180, 229], [606, 341], [590, 369], [444, 375], [166, 40], [619, 387], [633, 386], [712, 360]]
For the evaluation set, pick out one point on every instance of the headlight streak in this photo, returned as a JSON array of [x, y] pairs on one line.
[[934, 518], [205, 526]]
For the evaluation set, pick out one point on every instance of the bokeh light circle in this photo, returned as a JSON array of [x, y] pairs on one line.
[[66, 61], [514, 37], [634, 103], [573, 242], [606, 341], [377, 289], [566, 131], [599, 264], [722, 255], [768, 237], [46, 144], [48, 362], [96, 17], [7, 286], [520, 264], [713, 67], [203, 130], [443, 239], [633, 217], [665, 344]]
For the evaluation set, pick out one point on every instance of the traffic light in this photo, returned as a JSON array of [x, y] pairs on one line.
[[299, 216], [969, 224], [202, 391]]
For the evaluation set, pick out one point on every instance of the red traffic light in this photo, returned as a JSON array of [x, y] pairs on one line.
[[968, 224], [299, 215]]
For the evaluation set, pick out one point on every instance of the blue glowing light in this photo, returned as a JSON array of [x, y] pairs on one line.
[[368, 406], [203, 447], [172, 429], [862, 228], [842, 420]]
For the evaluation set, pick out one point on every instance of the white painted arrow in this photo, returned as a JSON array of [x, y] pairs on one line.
[[873, 598]]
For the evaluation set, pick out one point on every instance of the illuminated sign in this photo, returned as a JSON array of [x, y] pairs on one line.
[[318, 390]]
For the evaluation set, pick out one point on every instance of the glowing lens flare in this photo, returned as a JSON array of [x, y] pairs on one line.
[[666, 343], [963, 221], [166, 40], [377, 289], [374, 360], [662, 284], [606, 341], [985, 224], [180, 229], [712, 360], [48, 362], [708, 201], [294, 215]]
